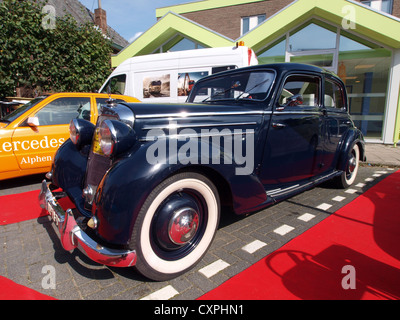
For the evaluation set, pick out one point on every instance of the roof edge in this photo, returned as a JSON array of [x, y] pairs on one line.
[[201, 6], [198, 32]]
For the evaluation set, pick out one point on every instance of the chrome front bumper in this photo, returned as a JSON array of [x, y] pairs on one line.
[[72, 236]]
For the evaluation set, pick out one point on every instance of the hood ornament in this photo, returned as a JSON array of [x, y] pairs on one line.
[[110, 102]]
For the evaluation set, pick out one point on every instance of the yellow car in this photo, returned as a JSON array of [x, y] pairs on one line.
[[30, 136]]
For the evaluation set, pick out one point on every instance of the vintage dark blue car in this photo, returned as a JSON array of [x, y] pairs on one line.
[[148, 183]]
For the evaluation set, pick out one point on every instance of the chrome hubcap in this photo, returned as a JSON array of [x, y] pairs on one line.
[[183, 226], [352, 164], [179, 225]]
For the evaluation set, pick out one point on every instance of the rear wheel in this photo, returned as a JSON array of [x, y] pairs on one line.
[[175, 226], [347, 178]]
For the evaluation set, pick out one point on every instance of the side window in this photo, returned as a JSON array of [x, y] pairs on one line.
[[63, 110], [300, 90], [117, 84], [333, 96]]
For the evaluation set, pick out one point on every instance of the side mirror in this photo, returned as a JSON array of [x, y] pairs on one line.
[[33, 121]]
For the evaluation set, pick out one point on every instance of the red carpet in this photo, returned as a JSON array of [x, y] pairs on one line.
[[365, 235], [20, 207], [13, 291], [13, 209]]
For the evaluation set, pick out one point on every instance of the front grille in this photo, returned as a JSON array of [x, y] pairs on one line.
[[98, 164], [96, 169]]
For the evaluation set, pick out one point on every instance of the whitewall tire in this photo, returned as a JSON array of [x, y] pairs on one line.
[[175, 226], [348, 176]]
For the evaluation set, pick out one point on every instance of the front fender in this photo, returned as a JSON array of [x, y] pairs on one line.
[[122, 192], [126, 186], [69, 169]]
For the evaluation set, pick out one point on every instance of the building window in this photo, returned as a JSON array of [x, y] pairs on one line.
[[363, 66], [249, 23], [381, 5], [304, 39], [185, 44], [178, 43]]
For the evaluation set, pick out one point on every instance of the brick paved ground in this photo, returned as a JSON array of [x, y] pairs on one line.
[[27, 247]]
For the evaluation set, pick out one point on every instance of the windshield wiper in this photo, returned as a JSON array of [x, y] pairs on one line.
[[249, 91], [217, 94]]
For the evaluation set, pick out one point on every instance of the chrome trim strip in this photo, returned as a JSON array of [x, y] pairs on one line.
[[326, 176], [191, 135], [297, 112], [199, 125], [200, 114], [276, 191]]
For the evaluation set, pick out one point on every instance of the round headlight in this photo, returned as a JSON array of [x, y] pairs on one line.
[[107, 139], [116, 137], [73, 132], [81, 132]]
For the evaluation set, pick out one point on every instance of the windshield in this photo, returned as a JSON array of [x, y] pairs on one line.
[[16, 113], [250, 85]]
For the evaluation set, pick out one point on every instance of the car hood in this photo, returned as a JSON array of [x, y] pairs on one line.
[[3, 125], [168, 117]]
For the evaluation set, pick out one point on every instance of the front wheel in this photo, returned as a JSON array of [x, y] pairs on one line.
[[175, 226], [347, 178]]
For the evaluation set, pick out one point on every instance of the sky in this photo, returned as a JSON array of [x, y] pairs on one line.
[[131, 17]]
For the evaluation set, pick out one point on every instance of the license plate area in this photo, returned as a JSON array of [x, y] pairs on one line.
[[53, 214]]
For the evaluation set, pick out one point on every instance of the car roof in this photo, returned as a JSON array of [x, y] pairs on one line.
[[282, 68], [90, 94]]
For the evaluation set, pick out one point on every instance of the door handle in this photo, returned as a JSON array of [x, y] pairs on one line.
[[278, 125]]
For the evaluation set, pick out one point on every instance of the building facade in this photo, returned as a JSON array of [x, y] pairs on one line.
[[358, 40]]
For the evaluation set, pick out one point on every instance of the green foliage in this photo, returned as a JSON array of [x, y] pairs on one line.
[[68, 57]]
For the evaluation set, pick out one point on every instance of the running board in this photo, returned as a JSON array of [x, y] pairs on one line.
[[278, 193]]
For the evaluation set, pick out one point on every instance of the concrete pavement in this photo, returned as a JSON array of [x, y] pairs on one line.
[[383, 155]]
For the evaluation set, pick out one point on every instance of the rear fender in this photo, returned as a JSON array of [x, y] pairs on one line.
[[353, 136]]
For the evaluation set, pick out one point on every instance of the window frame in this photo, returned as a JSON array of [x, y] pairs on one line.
[[380, 5], [317, 100], [252, 22], [343, 94]]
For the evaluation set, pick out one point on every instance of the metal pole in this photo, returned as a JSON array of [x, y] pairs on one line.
[[99, 4]]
